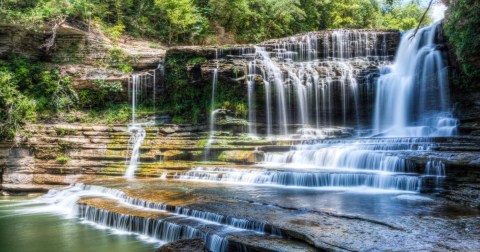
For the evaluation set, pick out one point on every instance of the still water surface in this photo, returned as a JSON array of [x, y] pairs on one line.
[[23, 230]]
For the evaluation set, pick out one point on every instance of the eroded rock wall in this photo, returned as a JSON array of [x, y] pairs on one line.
[[58, 154]]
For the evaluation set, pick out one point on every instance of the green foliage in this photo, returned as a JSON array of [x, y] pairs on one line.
[[241, 110], [15, 108], [116, 31], [65, 131], [110, 113], [181, 16], [28, 88], [403, 17], [461, 27], [104, 92], [184, 100], [196, 60], [62, 159], [197, 21], [119, 59]]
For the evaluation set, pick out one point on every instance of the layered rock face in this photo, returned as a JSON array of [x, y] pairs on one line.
[[85, 56], [60, 154]]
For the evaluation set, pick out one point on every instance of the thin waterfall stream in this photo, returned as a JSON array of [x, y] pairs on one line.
[[138, 84]]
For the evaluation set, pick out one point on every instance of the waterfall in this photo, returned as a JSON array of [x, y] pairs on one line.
[[251, 99], [412, 94], [310, 179], [213, 111], [344, 164], [311, 80], [138, 88], [137, 135]]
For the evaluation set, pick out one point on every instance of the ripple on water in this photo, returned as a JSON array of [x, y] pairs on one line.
[[413, 197]]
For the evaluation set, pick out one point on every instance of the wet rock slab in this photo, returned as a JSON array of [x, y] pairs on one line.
[[184, 245]]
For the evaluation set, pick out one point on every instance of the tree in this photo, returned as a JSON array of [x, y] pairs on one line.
[[400, 16], [181, 15]]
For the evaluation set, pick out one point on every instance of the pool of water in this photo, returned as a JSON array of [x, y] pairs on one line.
[[23, 230]]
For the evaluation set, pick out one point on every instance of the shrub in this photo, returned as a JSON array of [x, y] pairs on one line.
[[62, 159]]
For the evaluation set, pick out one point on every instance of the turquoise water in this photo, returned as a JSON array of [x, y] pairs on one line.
[[24, 231]]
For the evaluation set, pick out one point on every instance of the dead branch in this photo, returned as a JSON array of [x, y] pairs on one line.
[[421, 20], [51, 41]]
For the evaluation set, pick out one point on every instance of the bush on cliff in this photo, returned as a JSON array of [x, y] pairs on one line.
[[462, 27], [27, 88]]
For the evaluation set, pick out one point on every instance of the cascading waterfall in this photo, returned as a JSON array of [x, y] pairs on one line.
[[137, 135], [412, 94], [418, 71], [307, 86], [305, 178], [337, 164]]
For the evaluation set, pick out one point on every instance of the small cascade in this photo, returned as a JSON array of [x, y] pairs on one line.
[[417, 85], [139, 88], [163, 230], [328, 179], [137, 135], [436, 169], [213, 114]]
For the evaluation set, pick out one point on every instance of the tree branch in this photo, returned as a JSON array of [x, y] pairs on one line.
[[421, 20], [51, 41]]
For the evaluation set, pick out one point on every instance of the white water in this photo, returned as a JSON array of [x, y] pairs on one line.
[[333, 179], [212, 106], [412, 94], [213, 111], [251, 99], [411, 101], [138, 87], [313, 88], [178, 222], [137, 135]]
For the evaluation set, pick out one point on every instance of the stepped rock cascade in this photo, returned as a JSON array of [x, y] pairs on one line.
[[174, 222], [412, 96], [140, 87], [377, 163], [332, 180], [299, 80], [313, 80]]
